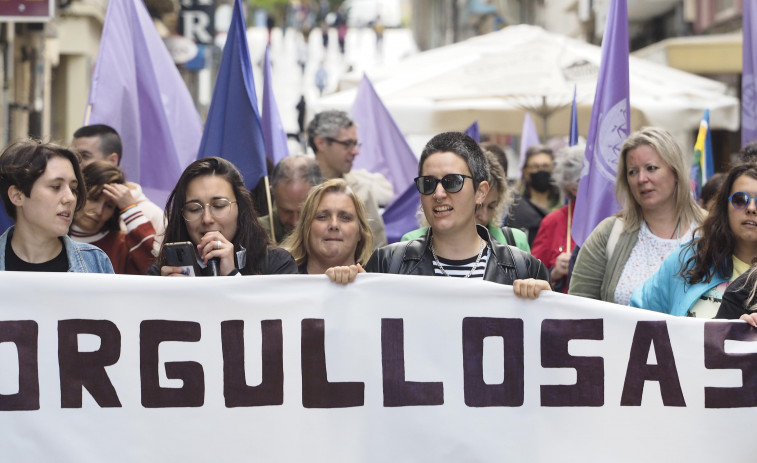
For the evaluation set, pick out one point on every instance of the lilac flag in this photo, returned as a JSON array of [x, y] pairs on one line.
[[233, 130], [528, 137], [137, 90], [573, 139], [609, 127], [472, 132], [749, 75], [400, 216], [273, 131], [384, 148]]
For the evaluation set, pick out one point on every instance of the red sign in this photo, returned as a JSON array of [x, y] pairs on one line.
[[26, 10]]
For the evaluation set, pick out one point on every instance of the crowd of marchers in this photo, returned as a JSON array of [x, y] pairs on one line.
[[74, 211]]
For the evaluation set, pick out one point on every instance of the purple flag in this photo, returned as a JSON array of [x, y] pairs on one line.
[[273, 131], [749, 75], [384, 148], [400, 216], [573, 139], [473, 132], [528, 137], [233, 130], [137, 90], [609, 127]]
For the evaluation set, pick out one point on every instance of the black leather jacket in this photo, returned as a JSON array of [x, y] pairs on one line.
[[414, 258]]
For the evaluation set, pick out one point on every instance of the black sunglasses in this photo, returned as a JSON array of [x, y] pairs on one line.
[[740, 200], [452, 183]]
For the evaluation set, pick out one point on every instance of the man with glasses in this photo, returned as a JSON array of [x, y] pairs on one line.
[[333, 137], [102, 142]]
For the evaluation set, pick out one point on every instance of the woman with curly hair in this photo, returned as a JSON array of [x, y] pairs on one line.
[[692, 281]]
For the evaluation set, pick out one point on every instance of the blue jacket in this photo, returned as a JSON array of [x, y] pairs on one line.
[[82, 257], [666, 291]]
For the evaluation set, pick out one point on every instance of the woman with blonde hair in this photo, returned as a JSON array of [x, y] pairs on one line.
[[332, 231], [693, 281], [658, 214]]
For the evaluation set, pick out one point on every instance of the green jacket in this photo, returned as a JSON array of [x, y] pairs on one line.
[[520, 238]]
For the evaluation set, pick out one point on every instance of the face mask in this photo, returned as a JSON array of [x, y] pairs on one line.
[[541, 181]]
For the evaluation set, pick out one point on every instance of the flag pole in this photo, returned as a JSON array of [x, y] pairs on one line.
[[87, 114], [270, 210]]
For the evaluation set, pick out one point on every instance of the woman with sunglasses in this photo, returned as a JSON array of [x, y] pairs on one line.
[[658, 214], [452, 182], [691, 282], [211, 207]]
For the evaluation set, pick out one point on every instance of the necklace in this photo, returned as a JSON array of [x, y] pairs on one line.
[[475, 265], [676, 232]]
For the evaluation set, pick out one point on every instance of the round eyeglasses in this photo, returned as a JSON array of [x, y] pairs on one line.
[[452, 183], [219, 208], [740, 200]]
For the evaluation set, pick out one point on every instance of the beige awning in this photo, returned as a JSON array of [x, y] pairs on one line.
[[701, 54]]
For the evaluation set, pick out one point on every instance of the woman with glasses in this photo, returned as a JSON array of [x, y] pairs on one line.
[[332, 231], [658, 214], [211, 207], [42, 188], [97, 223], [691, 282], [452, 183]]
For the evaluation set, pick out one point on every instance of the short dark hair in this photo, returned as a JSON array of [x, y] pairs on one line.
[[97, 174], [298, 167], [110, 141], [24, 161], [463, 146], [712, 186], [250, 234], [749, 152], [328, 124]]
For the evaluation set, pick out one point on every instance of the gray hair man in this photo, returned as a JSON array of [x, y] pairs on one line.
[[333, 137], [291, 180]]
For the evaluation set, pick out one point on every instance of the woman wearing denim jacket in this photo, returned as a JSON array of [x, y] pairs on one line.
[[41, 186]]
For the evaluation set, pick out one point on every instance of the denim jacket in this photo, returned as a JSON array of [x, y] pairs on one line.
[[82, 257]]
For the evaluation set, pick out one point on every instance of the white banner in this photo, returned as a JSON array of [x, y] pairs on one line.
[[294, 368]]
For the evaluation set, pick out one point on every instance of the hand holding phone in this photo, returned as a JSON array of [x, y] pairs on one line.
[[182, 254]]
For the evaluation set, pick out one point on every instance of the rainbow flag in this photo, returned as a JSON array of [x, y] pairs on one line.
[[703, 166]]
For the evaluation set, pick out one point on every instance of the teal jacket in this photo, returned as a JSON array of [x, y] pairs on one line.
[[666, 291], [521, 240]]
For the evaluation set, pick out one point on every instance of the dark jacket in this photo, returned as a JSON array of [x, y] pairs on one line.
[[277, 262], [414, 258]]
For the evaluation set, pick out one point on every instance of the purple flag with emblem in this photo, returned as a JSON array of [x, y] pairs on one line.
[[528, 137], [749, 75], [473, 132], [609, 127], [137, 90], [384, 148], [233, 130], [273, 131]]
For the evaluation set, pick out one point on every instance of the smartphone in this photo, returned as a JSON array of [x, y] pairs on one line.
[[182, 254]]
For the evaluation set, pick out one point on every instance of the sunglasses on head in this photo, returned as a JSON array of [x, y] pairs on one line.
[[452, 183], [740, 200]]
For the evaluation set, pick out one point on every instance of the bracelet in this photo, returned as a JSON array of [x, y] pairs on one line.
[[127, 208]]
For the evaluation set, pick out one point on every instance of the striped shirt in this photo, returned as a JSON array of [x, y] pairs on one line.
[[461, 268]]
